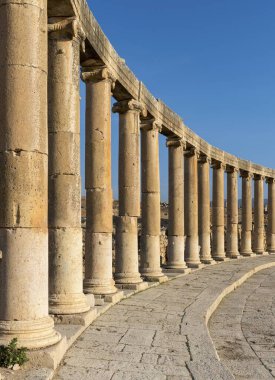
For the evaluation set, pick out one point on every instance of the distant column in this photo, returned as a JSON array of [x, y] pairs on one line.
[[127, 269], [24, 175], [271, 216], [246, 237], [204, 209], [99, 200], [258, 246], [65, 233], [232, 250], [150, 237], [218, 252], [192, 256], [176, 205]]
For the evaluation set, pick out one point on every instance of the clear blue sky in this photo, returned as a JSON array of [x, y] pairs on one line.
[[211, 61]]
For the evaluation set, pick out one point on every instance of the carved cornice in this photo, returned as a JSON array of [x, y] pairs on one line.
[[191, 152], [129, 105], [151, 124], [231, 169], [246, 174], [218, 165], [204, 159], [96, 73], [66, 28], [175, 142]]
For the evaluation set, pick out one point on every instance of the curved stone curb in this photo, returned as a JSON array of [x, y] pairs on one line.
[[205, 363]]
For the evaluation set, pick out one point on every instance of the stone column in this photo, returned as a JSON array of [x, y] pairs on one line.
[[65, 233], [176, 206], [24, 176], [258, 238], [271, 216], [150, 238], [246, 238], [218, 252], [126, 273], [232, 250], [204, 209], [192, 251], [99, 201]]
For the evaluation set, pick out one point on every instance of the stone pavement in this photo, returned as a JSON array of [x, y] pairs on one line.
[[243, 328], [161, 333]]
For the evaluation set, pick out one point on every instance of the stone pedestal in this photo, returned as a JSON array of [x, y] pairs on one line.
[[127, 271], [204, 209], [258, 237], [65, 233], [176, 206], [271, 216], [99, 201], [150, 238], [246, 238], [24, 176], [232, 250], [192, 250], [218, 252]]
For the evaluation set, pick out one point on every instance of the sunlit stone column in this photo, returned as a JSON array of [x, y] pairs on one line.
[[218, 252], [99, 201], [258, 238], [204, 209], [271, 216], [192, 256], [65, 233], [150, 238], [176, 206], [232, 250], [246, 238], [24, 175], [127, 271]]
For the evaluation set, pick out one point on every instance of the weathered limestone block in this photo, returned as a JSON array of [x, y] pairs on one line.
[[176, 239], [271, 216], [151, 214], [66, 291], [99, 199], [204, 209], [23, 184], [192, 251], [246, 237], [232, 250], [218, 252], [258, 236]]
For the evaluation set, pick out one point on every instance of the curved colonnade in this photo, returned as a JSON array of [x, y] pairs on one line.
[[35, 158]]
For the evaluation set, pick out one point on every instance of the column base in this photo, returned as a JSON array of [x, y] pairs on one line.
[[155, 278], [271, 252], [127, 278], [68, 303], [221, 258], [30, 334], [248, 254], [261, 253], [99, 287], [136, 287], [233, 255], [175, 267], [209, 261], [195, 265]]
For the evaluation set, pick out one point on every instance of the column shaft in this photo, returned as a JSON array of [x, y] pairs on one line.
[[271, 216], [246, 237], [258, 241], [129, 193], [99, 201], [24, 172], [191, 209], [204, 209], [150, 238], [218, 252], [232, 249], [176, 206], [65, 233]]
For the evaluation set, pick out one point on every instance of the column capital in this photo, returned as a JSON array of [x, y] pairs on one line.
[[151, 124], [246, 174], [190, 152], [218, 165], [258, 177], [129, 105], [175, 141], [270, 180], [231, 169], [93, 72], [66, 28], [203, 159]]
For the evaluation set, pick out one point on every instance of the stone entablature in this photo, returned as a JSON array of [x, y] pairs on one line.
[[128, 84]]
